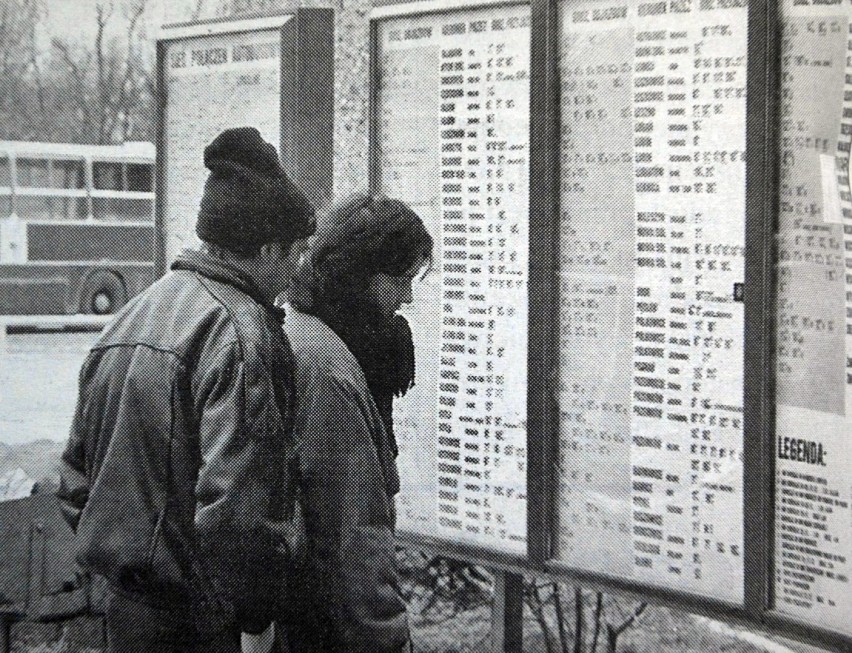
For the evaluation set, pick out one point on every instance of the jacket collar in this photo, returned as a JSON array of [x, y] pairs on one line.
[[221, 271]]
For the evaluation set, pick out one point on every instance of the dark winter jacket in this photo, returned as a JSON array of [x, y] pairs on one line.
[[345, 594], [175, 476]]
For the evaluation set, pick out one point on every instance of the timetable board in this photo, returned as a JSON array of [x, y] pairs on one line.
[[662, 453], [652, 202], [211, 83], [451, 138], [813, 466]]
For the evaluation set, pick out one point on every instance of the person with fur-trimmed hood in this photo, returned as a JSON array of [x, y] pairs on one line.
[[353, 354]]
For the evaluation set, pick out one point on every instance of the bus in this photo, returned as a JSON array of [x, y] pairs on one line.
[[76, 226]]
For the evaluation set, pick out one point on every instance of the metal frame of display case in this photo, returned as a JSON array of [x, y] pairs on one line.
[[541, 231], [758, 361], [307, 100], [761, 206]]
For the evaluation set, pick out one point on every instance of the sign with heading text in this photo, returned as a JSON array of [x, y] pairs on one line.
[[212, 83]]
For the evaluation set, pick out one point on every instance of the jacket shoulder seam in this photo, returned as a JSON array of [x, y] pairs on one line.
[[139, 343]]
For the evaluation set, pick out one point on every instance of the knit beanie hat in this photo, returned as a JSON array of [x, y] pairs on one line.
[[248, 201]]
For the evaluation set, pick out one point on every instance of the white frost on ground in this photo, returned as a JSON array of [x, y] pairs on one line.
[[15, 485], [755, 639]]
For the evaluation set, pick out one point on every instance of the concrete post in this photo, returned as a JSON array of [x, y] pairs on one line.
[[507, 613]]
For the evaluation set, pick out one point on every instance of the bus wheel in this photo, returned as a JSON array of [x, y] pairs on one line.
[[103, 293]]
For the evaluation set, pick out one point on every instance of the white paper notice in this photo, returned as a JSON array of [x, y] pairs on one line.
[[830, 191], [453, 109], [653, 248]]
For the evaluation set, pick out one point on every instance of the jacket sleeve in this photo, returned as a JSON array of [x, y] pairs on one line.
[[348, 521], [73, 492], [243, 460]]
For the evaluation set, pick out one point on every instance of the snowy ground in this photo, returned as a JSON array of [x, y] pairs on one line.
[[38, 384]]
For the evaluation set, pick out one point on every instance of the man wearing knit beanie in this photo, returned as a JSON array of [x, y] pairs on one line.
[[248, 200], [176, 473]]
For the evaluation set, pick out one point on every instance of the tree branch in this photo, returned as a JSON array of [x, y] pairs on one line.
[[578, 619], [560, 618], [597, 632], [79, 79], [102, 16]]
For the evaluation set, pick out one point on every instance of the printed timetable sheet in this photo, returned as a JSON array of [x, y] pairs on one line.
[[453, 141], [653, 136], [813, 480]]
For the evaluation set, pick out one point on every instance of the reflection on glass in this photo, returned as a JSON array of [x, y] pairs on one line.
[[33, 173], [107, 175]]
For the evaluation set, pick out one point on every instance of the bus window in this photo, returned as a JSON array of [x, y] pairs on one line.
[[117, 208], [5, 182], [35, 207], [68, 174], [5, 172], [33, 173], [140, 177], [107, 175]]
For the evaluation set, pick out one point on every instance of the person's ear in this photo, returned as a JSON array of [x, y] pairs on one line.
[[265, 251], [297, 250], [271, 252]]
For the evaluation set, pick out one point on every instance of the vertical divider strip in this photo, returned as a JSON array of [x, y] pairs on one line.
[[160, 266], [543, 350], [372, 109], [761, 179], [315, 103], [288, 72]]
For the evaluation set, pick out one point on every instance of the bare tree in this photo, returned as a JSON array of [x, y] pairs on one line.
[[198, 10], [22, 94], [110, 80]]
